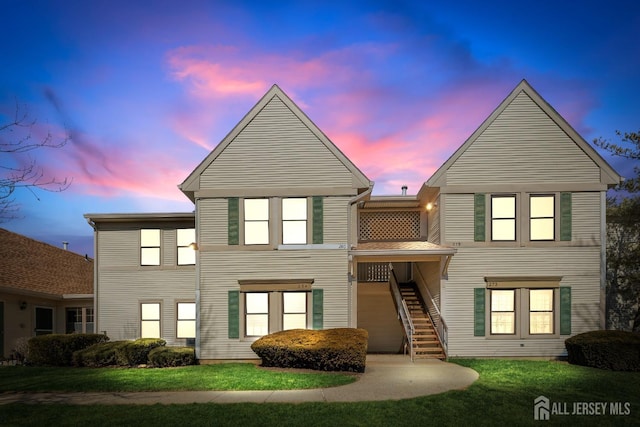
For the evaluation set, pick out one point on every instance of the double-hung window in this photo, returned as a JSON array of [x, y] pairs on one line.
[[186, 321], [503, 218], [526, 312], [541, 304], [294, 221], [256, 221], [150, 247], [294, 310], [256, 314], [186, 238], [503, 311], [541, 217], [150, 320]]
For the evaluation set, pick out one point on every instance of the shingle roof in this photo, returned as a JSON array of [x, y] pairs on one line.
[[33, 266]]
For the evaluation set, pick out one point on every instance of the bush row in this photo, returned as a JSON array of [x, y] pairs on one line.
[[58, 349], [613, 350], [340, 349], [94, 350]]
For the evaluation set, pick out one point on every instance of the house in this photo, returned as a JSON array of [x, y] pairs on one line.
[[500, 253], [43, 290]]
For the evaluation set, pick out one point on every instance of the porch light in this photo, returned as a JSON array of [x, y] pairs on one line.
[[194, 246], [429, 206], [23, 305]]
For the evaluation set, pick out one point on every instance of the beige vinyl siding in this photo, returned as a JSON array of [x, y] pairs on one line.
[[523, 138], [433, 225], [586, 215], [276, 150], [458, 217], [578, 266], [335, 219], [214, 221], [585, 212], [220, 272], [123, 283], [120, 293]]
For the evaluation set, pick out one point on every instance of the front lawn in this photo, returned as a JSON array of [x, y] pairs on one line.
[[229, 376], [503, 395]]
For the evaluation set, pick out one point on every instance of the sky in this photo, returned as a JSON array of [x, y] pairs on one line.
[[145, 90]]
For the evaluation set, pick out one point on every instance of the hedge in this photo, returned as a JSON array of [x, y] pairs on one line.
[[119, 353], [340, 349], [164, 357], [613, 350], [58, 349]]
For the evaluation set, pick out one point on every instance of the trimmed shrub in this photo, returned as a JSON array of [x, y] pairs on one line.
[[98, 355], [340, 349], [613, 350], [164, 357], [58, 349], [134, 353]]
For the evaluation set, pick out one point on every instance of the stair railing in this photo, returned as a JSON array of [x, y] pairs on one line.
[[440, 325], [403, 310]]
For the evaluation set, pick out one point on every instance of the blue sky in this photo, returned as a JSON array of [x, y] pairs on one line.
[[147, 91]]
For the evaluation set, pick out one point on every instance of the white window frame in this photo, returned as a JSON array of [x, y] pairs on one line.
[[148, 249], [260, 314], [147, 319], [501, 220], [295, 213], [286, 314], [533, 219], [182, 320], [86, 323], [252, 219], [275, 313], [43, 331], [522, 314], [186, 254]]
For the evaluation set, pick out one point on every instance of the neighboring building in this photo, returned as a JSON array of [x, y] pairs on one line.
[[43, 290], [501, 252]]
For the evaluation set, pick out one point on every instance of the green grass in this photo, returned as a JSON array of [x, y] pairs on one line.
[[503, 395], [231, 376]]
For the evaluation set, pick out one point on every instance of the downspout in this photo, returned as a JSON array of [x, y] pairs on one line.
[[603, 260], [96, 314], [353, 201], [197, 287]]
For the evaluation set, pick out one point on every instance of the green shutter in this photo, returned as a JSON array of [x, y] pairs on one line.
[[234, 314], [565, 310], [318, 220], [318, 308], [565, 217], [479, 218], [478, 312], [234, 221]]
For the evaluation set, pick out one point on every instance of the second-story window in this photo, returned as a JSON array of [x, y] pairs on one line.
[[503, 218], [294, 221], [186, 253], [256, 221], [541, 221], [150, 247]]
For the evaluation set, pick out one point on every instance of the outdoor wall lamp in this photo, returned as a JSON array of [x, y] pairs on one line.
[[23, 305], [194, 246], [430, 206]]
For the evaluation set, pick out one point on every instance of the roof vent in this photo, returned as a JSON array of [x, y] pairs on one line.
[[404, 190], [65, 246]]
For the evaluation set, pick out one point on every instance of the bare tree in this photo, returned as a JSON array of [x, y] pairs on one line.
[[623, 238], [18, 169]]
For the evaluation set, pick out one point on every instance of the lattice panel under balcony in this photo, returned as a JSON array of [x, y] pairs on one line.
[[389, 225]]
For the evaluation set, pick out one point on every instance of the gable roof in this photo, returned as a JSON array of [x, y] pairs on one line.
[[31, 267], [608, 175], [192, 184]]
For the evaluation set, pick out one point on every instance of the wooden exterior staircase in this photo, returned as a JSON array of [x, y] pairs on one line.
[[426, 343]]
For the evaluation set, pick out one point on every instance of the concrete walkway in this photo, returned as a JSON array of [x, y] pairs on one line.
[[387, 377]]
